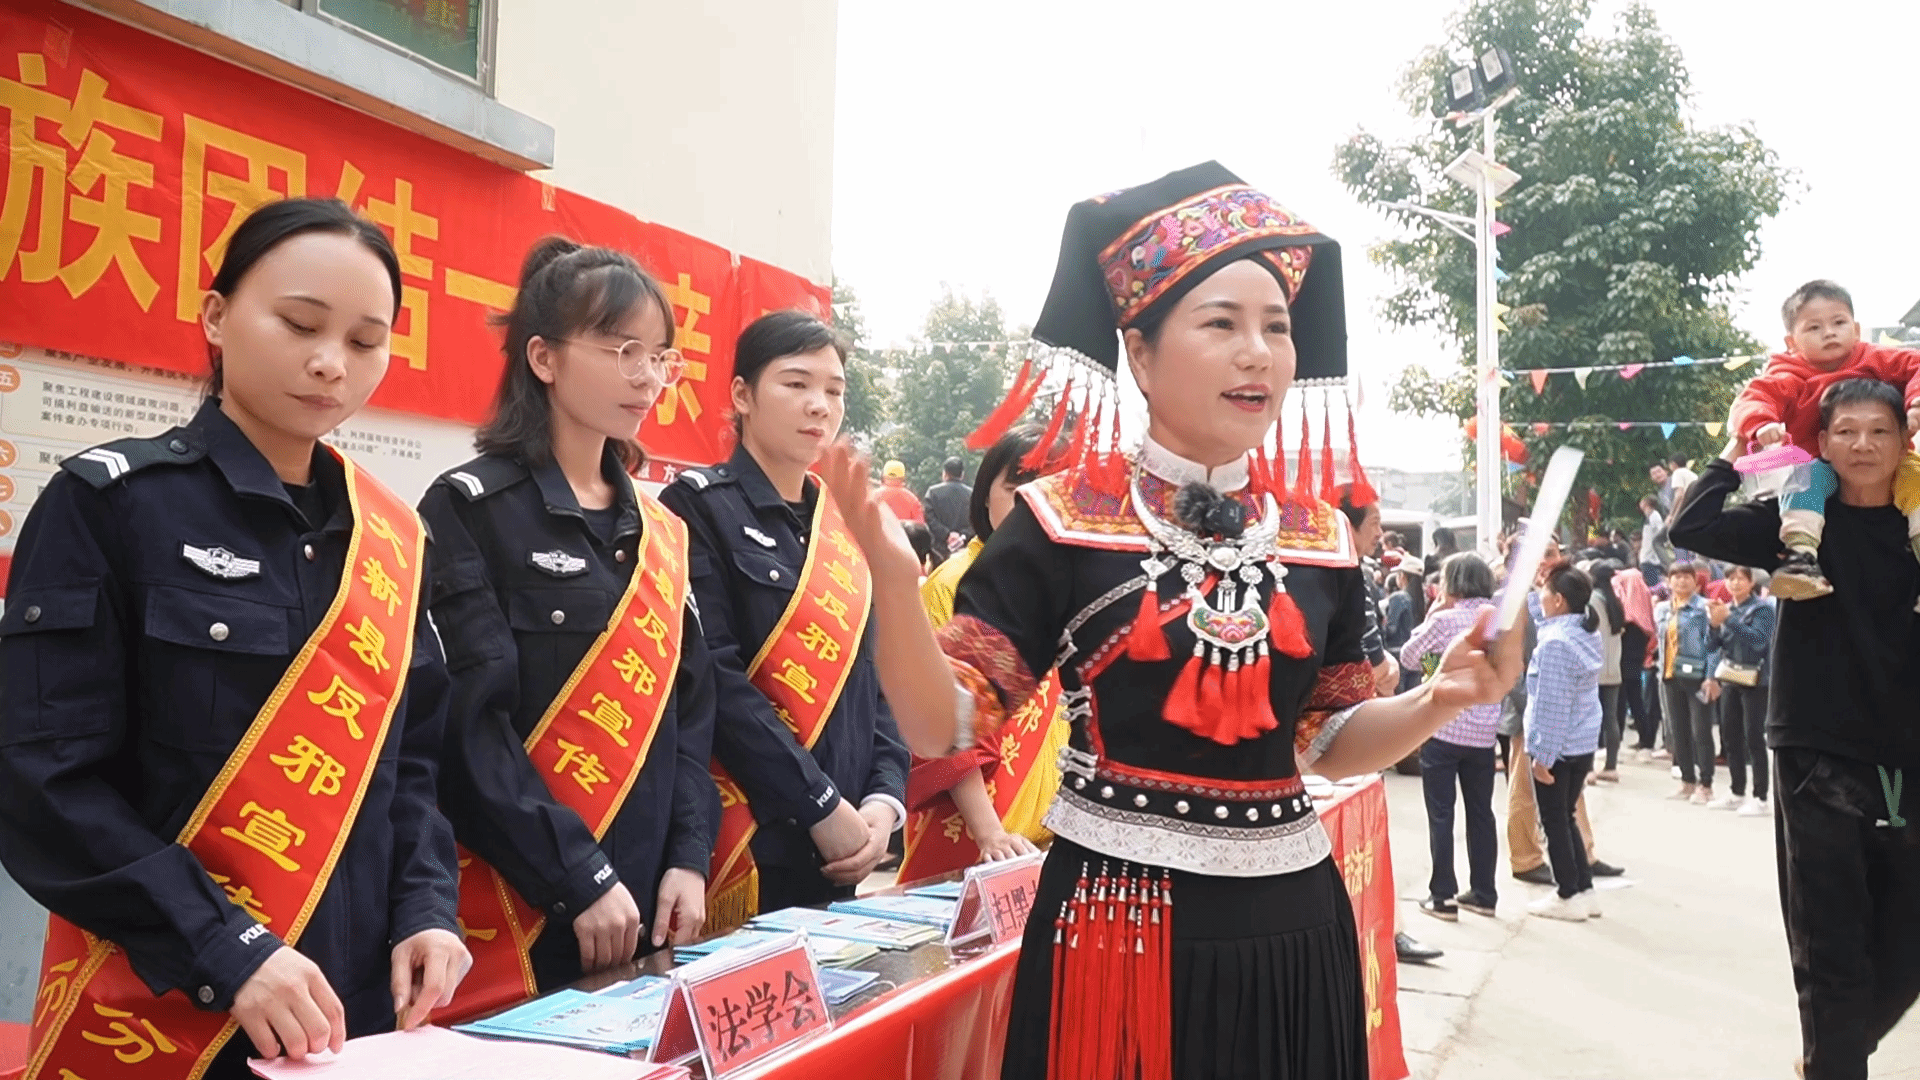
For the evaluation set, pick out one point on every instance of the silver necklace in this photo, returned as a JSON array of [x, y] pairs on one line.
[[1230, 627]]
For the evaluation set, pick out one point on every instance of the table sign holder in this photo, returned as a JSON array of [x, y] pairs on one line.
[[995, 898], [738, 1008]]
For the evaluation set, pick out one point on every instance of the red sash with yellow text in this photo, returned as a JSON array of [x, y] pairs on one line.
[[936, 839], [272, 825], [801, 669], [589, 747]]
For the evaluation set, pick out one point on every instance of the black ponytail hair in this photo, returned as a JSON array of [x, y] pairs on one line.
[[1570, 583], [272, 224], [565, 289], [1602, 571]]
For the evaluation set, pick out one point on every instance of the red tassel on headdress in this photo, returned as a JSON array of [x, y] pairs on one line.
[[1019, 396], [1326, 449], [1303, 474], [1363, 493], [1042, 452], [1287, 626], [1147, 641], [1107, 469], [1076, 455]]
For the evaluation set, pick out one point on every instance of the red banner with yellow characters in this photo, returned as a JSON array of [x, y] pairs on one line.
[[131, 159], [273, 824], [1357, 825], [589, 747]]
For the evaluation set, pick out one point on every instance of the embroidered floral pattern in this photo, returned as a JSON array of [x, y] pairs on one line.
[[985, 661], [1073, 511], [1160, 251], [1338, 687]]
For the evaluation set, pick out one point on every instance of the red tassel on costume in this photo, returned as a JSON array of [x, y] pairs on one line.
[[1076, 454], [1213, 705], [1146, 641], [1303, 476], [1102, 1061], [1287, 627], [1260, 693], [1055, 1065], [1037, 458], [1363, 493], [1113, 463], [1182, 708], [1019, 396], [1326, 449]]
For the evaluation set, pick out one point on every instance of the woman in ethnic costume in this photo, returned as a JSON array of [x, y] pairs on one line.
[[1206, 623]]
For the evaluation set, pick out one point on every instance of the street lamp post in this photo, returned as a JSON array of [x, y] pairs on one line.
[[1471, 87]]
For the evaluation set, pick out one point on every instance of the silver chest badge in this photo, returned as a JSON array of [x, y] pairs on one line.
[[558, 563], [220, 563], [759, 537]]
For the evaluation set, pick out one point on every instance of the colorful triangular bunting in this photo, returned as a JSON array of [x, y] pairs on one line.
[[1539, 377], [1631, 370]]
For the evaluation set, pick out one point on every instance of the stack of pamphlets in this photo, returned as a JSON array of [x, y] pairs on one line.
[[922, 910], [945, 890], [885, 933], [840, 986], [828, 950], [615, 1023]]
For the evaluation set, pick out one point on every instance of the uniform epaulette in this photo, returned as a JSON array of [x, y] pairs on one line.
[[483, 476], [708, 476], [109, 462]]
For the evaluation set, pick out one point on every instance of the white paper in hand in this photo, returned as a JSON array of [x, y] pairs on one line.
[[1554, 489]]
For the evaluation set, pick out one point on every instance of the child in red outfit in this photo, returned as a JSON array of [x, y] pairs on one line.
[[1823, 348]]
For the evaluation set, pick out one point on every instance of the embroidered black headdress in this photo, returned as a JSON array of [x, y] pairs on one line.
[[1131, 255]]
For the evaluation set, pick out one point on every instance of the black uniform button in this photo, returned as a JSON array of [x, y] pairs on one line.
[[218, 631], [179, 446], [205, 994], [308, 552], [620, 556], [558, 616], [33, 613]]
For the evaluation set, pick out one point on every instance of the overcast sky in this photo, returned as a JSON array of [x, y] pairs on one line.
[[964, 131]]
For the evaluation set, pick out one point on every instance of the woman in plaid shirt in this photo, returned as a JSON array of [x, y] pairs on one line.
[[1463, 749]]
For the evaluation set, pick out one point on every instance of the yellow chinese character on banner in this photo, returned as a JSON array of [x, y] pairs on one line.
[[952, 826], [385, 590], [131, 1048], [1028, 718], [681, 395], [241, 896], [408, 225], [382, 528], [662, 582], [609, 715], [303, 756], [841, 576], [587, 769], [795, 676], [269, 833], [369, 644], [83, 124], [199, 183], [815, 640], [785, 716], [343, 701], [53, 995], [654, 629], [842, 543], [1009, 751], [835, 608], [632, 668]]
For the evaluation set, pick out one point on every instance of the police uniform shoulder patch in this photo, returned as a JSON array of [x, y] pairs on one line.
[[105, 464], [483, 476], [704, 478], [218, 562], [557, 563]]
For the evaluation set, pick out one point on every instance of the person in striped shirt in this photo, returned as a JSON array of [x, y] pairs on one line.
[[1462, 751]]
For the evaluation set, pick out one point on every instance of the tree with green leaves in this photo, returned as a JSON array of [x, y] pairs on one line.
[[944, 385], [1629, 227], [866, 391]]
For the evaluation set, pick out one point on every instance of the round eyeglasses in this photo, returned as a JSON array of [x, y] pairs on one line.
[[633, 359]]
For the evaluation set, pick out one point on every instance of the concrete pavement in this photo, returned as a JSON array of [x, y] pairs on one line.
[[1685, 975]]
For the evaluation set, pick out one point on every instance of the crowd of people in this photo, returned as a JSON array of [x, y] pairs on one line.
[[288, 761]]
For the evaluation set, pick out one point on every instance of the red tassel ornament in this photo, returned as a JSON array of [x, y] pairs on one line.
[[1287, 626], [1213, 706], [1147, 642], [1303, 475], [1018, 398], [1363, 493], [1183, 701], [1327, 483], [1042, 452]]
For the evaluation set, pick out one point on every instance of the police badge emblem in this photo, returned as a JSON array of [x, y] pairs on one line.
[[220, 563], [558, 563]]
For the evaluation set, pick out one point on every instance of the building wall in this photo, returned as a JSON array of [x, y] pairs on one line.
[[713, 117]]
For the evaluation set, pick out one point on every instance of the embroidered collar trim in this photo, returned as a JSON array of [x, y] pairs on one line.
[[1176, 470]]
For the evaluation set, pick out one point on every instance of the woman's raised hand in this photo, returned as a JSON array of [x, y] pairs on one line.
[[848, 476]]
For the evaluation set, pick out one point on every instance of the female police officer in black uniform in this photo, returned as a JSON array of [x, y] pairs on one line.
[[823, 817], [161, 589], [535, 543]]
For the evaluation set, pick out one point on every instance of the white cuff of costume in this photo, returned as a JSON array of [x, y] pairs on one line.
[[963, 714], [899, 808], [1328, 732]]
